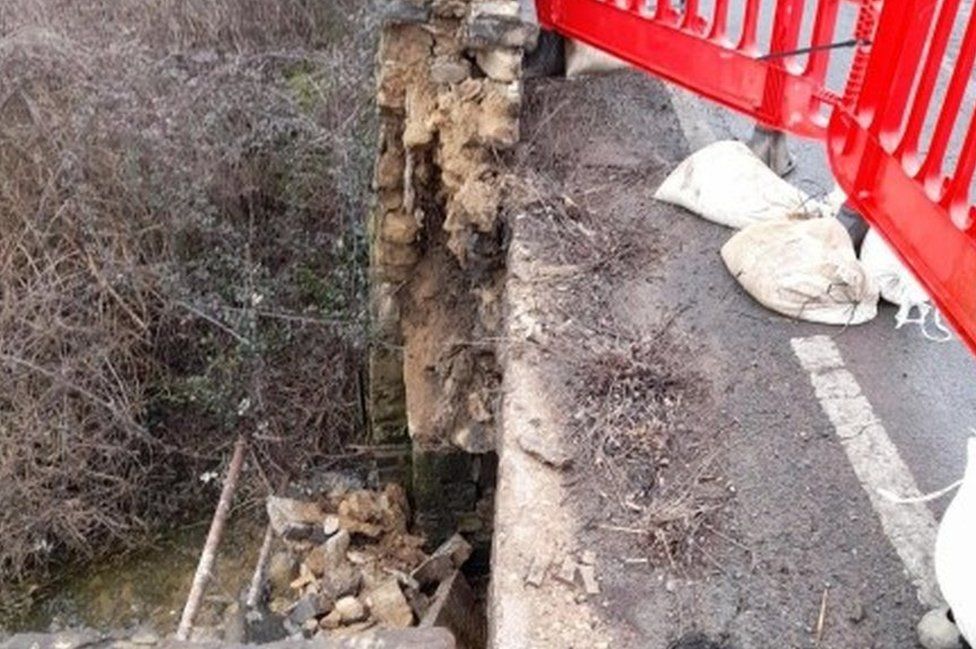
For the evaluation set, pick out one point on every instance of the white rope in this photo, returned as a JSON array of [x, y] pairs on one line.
[[890, 496]]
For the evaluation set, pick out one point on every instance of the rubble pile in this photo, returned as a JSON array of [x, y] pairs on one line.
[[349, 563]]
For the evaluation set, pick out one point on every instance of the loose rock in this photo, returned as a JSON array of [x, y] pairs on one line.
[[537, 570], [588, 575], [449, 70], [567, 571], [450, 556], [331, 621], [500, 64], [330, 525], [310, 606], [544, 448], [294, 520], [350, 610], [328, 555], [389, 606], [340, 581]]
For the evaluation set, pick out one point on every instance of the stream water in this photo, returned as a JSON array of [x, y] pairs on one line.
[[146, 587]]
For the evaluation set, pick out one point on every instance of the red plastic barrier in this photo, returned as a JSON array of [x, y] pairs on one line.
[[889, 149], [698, 52], [914, 192]]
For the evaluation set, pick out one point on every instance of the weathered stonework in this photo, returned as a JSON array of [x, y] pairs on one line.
[[448, 95]]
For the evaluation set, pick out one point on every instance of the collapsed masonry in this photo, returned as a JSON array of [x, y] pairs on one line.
[[448, 95]]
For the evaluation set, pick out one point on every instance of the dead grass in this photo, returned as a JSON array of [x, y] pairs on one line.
[[181, 189], [631, 394]]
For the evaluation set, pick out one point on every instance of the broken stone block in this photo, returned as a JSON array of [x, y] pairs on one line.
[[330, 525], [420, 103], [500, 63], [445, 70], [328, 555], [295, 520], [404, 12], [449, 8], [403, 54], [537, 570], [350, 610], [541, 445], [399, 227], [588, 558], [394, 256], [451, 608], [498, 24], [450, 556], [588, 575], [331, 621], [389, 606], [567, 571], [309, 607], [372, 514], [390, 163], [341, 581]]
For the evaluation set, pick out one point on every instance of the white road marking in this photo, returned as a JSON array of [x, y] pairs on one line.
[[911, 528]]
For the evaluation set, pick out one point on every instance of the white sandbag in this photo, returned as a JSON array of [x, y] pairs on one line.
[[804, 268], [584, 59], [955, 551], [727, 184], [899, 286]]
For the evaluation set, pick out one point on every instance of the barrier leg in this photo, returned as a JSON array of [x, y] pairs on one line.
[[771, 148], [547, 58]]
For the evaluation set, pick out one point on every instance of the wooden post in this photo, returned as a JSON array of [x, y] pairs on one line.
[[209, 553]]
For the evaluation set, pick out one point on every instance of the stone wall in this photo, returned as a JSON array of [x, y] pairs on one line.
[[448, 95]]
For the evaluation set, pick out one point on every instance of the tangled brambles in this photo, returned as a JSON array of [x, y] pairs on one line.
[[181, 257]]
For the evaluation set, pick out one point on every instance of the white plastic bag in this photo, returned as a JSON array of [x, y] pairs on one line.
[[899, 286], [802, 268], [955, 557], [585, 59], [727, 184]]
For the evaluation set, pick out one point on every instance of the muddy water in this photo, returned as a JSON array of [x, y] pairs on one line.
[[149, 587]]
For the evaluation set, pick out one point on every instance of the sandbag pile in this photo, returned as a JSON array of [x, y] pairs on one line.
[[804, 268], [899, 286], [726, 183]]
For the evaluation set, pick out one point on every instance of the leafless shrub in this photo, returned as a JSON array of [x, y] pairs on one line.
[[181, 187]]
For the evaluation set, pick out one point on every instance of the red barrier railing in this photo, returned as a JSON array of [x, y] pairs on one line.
[[905, 151], [697, 49], [898, 139]]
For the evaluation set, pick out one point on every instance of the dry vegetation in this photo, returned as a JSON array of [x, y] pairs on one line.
[[181, 258]]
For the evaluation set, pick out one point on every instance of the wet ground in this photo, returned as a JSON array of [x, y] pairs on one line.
[[147, 588]]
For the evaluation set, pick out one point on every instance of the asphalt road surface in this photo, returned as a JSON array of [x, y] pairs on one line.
[[924, 392]]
